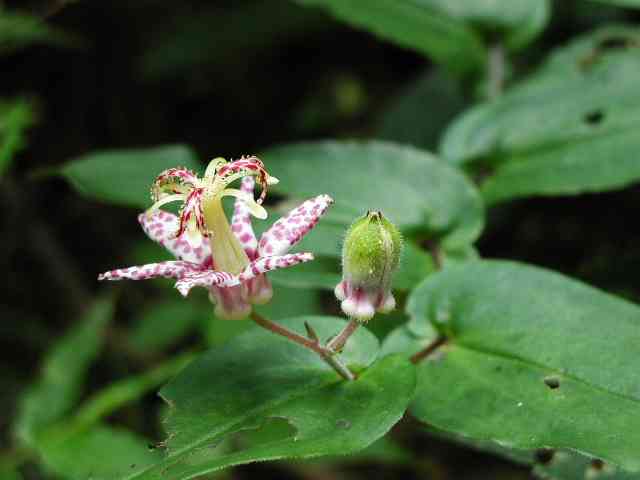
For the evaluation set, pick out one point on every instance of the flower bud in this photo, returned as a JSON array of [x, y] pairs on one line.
[[370, 256]]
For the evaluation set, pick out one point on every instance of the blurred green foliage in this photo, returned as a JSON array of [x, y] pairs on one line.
[[447, 115]]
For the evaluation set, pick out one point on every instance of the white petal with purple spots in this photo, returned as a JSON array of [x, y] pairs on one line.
[[161, 227], [289, 230], [266, 264], [168, 269], [241, 221]]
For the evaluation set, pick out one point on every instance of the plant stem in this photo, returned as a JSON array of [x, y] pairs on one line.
[[312, 344], [496, 73], [291, 335], [339, 341], [429, 349], [338, 366]]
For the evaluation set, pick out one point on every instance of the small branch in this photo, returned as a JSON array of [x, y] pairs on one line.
[[429, 349], [291, 335], [339, 367], [339, 341], [496, 73], [312, 344]]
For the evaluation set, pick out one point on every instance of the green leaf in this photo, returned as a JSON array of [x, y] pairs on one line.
[[516, 22], [546, 464], [63, 374], [16, 116], [413, 188], [124, 177], [533, 359], [289, 302], [102, 453], [418, 25], [259, 378], [165, 323], [570, 128], [19, 30], [405, 121], [122, 392]]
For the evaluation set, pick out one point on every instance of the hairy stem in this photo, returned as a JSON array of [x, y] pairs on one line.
[[429, 349], [312, 344]]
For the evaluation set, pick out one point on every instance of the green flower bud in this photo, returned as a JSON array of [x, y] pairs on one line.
[[370, 256]]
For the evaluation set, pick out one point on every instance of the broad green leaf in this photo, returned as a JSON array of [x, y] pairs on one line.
[[101, 453], [165, 323], [16, 116], [385, 451], [411, 187], [19, 30], [569, 128], [124, 177], [533, 359], [289, 302], [63, 374], [415, 24], [419, 114], [260, 378], [123, 392], [516, 22]]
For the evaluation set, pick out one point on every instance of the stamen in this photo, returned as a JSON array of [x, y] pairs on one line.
[[245, 167], [212, 168], [255, 209], [178, 197], [173, 180]]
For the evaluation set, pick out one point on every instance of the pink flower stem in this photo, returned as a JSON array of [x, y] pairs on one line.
[[312, 344]]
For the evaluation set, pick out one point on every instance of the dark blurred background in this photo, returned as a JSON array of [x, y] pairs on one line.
[[231, 78]]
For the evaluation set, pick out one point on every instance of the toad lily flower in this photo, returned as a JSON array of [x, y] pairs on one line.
[[226, 259]]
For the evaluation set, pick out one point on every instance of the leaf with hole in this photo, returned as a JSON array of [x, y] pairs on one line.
[[569, 128], [545, 463], [265, 382], [124, 177], [565, 465], [533, 359]]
